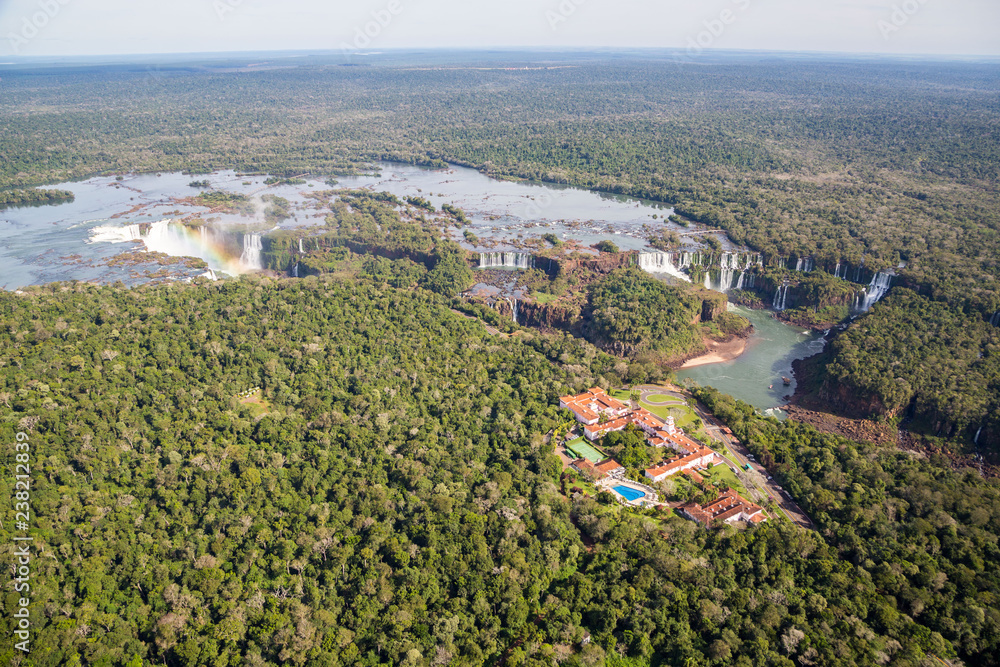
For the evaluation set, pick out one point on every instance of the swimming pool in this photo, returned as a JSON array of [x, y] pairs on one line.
[[628, 493]]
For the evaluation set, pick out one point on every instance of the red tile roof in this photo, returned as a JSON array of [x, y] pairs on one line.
[[585, 466], [608, 466], [608, 426], [678, 463], [729, 504], [581, 403]]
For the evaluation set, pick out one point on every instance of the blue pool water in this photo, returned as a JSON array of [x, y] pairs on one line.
[[629, 493]]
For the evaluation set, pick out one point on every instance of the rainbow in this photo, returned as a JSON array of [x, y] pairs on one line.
[[173, 238]]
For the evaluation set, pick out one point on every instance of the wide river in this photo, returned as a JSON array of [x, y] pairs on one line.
[[756, 376], [80, 240], [77, 240]]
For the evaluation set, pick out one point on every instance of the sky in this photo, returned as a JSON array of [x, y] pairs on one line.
[[107, 27]]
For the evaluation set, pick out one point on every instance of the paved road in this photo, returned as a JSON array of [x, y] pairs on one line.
[[742, 456], [755, 481]]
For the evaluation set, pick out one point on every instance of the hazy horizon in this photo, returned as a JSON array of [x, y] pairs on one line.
[[528, 50], [71, 28]]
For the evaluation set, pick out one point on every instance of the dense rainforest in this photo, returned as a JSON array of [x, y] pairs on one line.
[[920, 361], [390, 496], [910, 526], [629, 312], [889, 165], [626, 312], [341, 469], [33, 197]]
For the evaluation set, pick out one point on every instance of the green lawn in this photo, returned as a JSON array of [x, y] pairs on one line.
[[661, 398], [683, 415], [722, 473]]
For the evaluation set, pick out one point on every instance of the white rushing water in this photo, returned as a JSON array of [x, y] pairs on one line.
[[499, 259], [114, 234], [661, 262], [805, 264], [877, 288], [780, 297], [252, 246], [513, 307]]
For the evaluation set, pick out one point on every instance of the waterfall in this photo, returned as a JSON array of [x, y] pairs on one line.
[[879, 286], [781, 297], [975, 440], [301, 251], [726, 280], [734, 272], [995, 320], [295, 270], [730, 260], [252, 246], [517, 260], [660, 262], [513, 307], [112, 234], [805, 264]]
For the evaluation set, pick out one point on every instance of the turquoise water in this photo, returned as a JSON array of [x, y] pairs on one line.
[[756, 376], [628, 493]]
